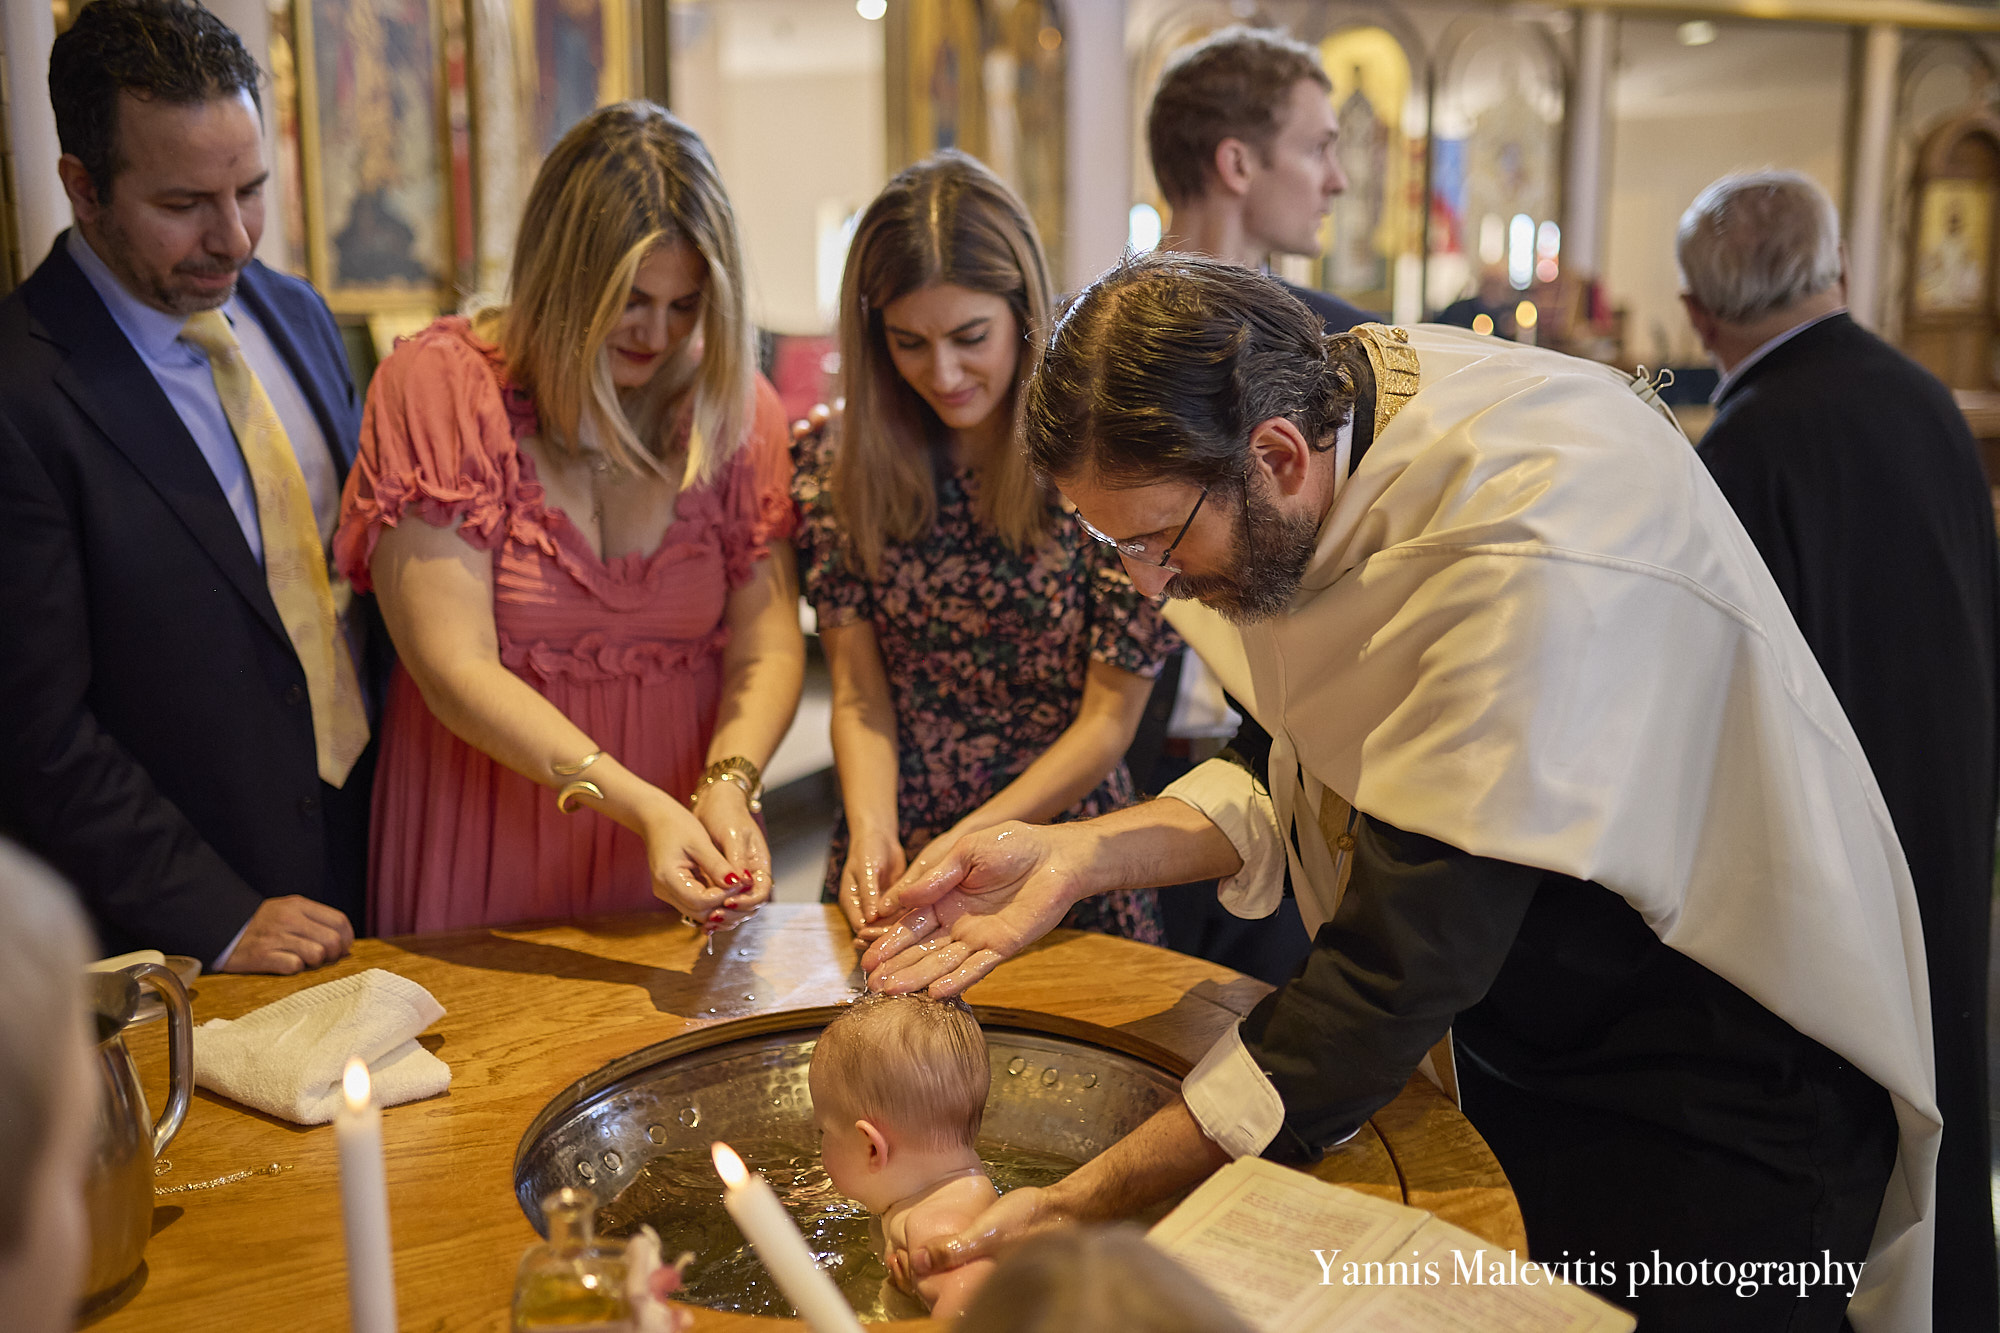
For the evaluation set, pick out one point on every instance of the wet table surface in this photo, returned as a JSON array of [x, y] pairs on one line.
[[528, 1011]]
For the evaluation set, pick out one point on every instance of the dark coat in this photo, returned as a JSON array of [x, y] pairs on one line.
[[1855, 474], [156, 743]]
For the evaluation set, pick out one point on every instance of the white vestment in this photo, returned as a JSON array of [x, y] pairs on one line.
[[1534, 630]]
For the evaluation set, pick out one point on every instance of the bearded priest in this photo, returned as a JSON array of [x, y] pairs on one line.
[[1552, 769]]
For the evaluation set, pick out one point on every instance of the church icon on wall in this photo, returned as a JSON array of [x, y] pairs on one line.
[[376, 246]]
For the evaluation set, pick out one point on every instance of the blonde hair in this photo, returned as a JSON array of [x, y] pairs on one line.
[[945, 220], [1094, 1278], [910, 1062], [624, 181]]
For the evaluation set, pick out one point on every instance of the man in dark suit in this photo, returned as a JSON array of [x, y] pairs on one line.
[[1854, 473], [181, 729]]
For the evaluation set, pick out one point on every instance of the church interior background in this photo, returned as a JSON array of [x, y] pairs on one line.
[[1544, 150], [1541, 149]]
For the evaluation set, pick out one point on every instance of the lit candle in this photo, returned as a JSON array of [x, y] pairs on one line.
[[364, 1206], [754, 1207]]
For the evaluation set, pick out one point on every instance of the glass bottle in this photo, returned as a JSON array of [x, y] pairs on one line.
[[573, 1281]]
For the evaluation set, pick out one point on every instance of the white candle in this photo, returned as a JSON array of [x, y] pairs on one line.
[[364, 1206], [754, 1206]]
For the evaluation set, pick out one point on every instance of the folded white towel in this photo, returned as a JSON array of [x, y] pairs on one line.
[[287, 1058]]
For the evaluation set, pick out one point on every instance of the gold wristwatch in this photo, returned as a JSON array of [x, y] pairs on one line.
[[734, 769]]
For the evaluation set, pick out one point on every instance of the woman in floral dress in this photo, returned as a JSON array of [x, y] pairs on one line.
[[990, 660]]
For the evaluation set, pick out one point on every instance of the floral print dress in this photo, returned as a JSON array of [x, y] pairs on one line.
[[986, 651]]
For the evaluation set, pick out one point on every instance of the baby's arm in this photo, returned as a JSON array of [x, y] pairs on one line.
[[947, 1294]]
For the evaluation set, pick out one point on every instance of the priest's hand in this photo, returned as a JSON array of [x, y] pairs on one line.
[[1163, 1157], [934, 852], [993, 894], [1015, 1216]]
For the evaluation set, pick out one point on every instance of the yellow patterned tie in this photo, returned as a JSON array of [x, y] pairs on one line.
[[294, 561]]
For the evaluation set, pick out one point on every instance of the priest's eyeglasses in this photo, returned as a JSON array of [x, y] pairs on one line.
[[1140, 551]]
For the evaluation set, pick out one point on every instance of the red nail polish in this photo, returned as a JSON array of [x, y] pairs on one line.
[[715, 916], [733, 880]]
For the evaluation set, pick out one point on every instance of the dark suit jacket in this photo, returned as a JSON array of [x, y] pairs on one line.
[[156, 743], [1853, 471]]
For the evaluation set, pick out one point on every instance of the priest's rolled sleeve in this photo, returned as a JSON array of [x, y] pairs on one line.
[[1232, 798], [1232, 1101]]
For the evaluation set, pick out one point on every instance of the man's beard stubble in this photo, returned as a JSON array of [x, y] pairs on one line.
[[178, 300], [1268, 556]]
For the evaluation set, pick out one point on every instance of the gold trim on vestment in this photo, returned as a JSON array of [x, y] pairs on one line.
[[1397, 372]]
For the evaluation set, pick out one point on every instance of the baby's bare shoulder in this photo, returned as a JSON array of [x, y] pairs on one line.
[[950, 1210]]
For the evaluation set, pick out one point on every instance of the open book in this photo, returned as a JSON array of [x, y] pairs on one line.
[[1296, 1255]]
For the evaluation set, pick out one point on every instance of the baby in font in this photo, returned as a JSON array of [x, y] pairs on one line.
[[899, 1086]]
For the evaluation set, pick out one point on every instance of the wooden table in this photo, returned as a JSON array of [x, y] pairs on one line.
[[530, 1011]]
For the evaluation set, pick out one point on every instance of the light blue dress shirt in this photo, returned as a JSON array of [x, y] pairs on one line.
[[183, 375]]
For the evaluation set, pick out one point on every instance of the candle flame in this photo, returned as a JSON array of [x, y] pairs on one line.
[[354, 1083], [728, 1165]]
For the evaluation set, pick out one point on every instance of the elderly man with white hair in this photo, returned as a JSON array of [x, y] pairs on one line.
[[1856, 477]]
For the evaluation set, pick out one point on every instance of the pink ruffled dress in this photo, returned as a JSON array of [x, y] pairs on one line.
[[630, 650]]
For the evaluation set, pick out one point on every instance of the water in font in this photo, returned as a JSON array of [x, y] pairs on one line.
[[678, 1195]]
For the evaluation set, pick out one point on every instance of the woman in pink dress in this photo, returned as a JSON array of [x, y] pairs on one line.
[[567, 509]]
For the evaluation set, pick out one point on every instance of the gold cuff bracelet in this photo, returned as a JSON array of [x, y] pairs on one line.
[[572, 770]]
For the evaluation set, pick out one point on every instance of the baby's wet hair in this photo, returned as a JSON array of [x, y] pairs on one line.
[[909, 1062]]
